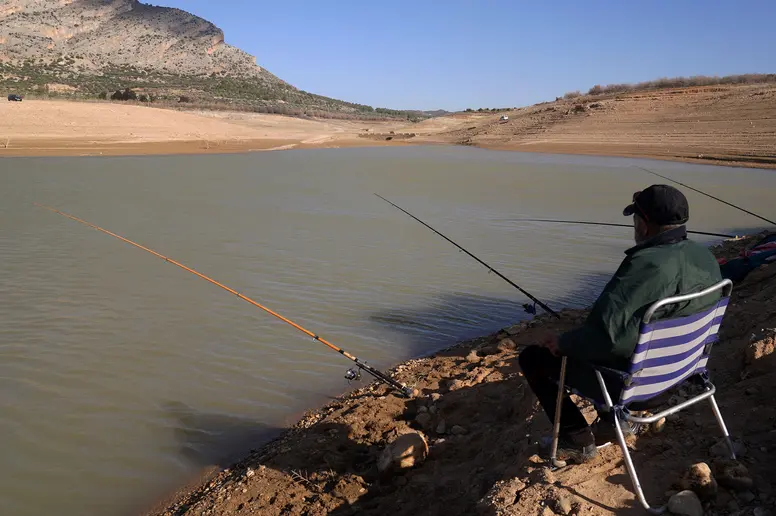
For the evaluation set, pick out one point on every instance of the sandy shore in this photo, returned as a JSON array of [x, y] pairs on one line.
[[726, 125], [482, 424], [65, 128]]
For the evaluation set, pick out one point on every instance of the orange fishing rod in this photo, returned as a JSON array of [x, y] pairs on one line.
[[351, 375]]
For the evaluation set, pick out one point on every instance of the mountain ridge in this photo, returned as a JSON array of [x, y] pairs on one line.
[[118, 32], [91, 48]]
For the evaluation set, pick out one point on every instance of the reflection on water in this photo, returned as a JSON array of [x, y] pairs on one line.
[[121, 375]]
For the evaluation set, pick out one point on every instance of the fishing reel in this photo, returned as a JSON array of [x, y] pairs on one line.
[[353, 375]]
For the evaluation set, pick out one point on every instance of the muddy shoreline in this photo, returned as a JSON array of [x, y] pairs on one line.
[[85, 147], [82, 148], [727, 126], [482, 428]]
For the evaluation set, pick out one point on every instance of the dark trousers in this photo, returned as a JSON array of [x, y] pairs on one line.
[[542, 371]]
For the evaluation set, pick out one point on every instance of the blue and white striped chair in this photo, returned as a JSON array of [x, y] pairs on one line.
[[669, 353]]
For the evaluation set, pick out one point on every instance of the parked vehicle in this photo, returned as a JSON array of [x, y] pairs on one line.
[[504, 118], [14, 98]]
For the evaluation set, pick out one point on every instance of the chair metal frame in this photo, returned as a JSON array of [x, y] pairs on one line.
[[619, 410]]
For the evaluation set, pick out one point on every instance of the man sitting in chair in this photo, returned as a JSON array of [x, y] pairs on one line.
[[663, 263]]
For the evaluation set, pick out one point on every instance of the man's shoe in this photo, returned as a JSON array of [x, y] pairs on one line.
[[603, 428], [576, 446]]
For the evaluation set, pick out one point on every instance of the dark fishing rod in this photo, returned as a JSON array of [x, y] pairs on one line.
[[491, 269], [724, 235], [562, 377], [707, 195], [350, 375]]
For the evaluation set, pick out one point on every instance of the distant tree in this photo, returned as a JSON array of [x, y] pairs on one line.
[[129, 94], [103, 95], [184, 99], [117, 95], [143, 98], [469, 110]]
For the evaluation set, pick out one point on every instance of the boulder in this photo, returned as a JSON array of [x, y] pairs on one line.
[[720, 449], [699, 480], [423, 419], [732, 475], [404, 452], [506, 344], [685, 503], [562, 504], [458, 430], [746, 497], [763, 344]]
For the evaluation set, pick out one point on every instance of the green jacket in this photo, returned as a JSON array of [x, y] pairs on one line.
[[666, 265]]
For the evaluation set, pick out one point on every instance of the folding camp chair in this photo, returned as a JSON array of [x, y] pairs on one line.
[[669, 352]]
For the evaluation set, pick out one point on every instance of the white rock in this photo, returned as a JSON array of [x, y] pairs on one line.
[[404, 452]]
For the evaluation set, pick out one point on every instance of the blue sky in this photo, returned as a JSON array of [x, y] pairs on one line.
[[454, 54]]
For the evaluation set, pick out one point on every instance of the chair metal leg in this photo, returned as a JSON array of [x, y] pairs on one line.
[[722, 426], [631, 469], [556, 427]]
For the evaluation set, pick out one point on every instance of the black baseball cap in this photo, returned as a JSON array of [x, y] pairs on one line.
[[662, 205]]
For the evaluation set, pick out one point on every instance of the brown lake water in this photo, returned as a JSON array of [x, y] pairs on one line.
[[121, 375]]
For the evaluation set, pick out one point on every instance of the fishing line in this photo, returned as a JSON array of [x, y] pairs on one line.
[[706, 233], [491, 269], [707, 195], [350, 375]]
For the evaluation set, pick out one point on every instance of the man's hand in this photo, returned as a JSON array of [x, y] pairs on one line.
[[549, 340]]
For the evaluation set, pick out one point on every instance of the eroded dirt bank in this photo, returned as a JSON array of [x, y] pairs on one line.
[[482, 425]]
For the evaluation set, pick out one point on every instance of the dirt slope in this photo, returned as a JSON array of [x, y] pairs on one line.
[[482, 426], [728, 124]]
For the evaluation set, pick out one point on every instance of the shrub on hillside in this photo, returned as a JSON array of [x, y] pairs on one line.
[[130, 95], [683, 82], [127, 94], [572, 95]]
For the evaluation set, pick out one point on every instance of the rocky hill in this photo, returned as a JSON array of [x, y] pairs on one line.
[[91, 47], [119, 32]]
